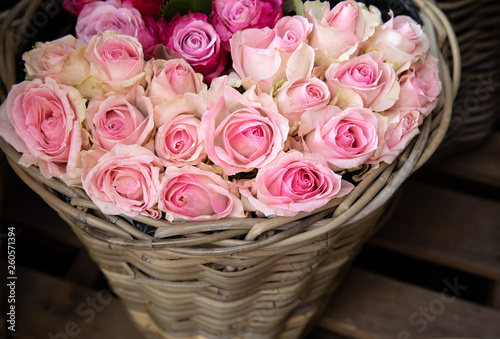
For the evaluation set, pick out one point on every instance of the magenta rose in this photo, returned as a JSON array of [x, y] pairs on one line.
[[113, 15], [117, 60], [179, 140], [124, 180], [43, 122], [190, 193], [295, 182], [420, 86], [295, 97], [231, 16], [347, 139], [364, 81], [261, 55], [402, 127], [337, 33], [62, 60], [75, 6], [122, 119], [242, 132], [401, 40], [169, 80], [194, 39], [148, 8]]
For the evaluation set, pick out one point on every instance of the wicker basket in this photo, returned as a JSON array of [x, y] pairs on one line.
[[250, 278], [475, 111]]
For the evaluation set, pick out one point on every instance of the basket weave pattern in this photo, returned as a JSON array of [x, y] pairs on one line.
[[246, 278]]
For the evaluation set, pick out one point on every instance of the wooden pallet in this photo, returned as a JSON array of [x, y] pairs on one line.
[[432, 271]]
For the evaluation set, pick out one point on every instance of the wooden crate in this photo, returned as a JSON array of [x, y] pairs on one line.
[[432, 271]]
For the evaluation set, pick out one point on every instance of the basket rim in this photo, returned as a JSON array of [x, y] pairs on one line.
[[370, 194]]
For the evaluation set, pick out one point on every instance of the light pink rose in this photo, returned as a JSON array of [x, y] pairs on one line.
[[347, 139], [402, 127], [62, 60], [401, 40], [179, 140], [230, 16], [43, 122], [364, 81], [169, 80], [116, 118], [420, 86], [117, 60], [113, 15], [293, 183], [124, 180], [194, 39], [190, 193], [261, 55], [337, 33], [242, 132], [295, 97]]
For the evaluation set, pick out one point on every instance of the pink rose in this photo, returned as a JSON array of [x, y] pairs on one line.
[[242, 132], [169, 80], [401, 40], [190, 193], [62, 60], [420, 86], [124, 180], [262, 54], [364, 81], [231, 16], [120, 119], [295, 97], [194, 39], [112, 15], [347, 139], [43, 121], [293, 183], [117, 60], [402, 127], [179, 140], [337, 33]]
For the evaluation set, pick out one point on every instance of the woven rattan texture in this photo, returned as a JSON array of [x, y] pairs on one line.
[[250, 278], [475, 112]]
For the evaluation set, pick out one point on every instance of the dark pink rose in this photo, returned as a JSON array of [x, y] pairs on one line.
[[75, 6], [151, 8], [293, 183], [43, 121], [230, 16], [124, 180], [190, 193], [194, 39], [347, 139]]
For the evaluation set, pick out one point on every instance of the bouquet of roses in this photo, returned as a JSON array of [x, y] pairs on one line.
[[242, 112]]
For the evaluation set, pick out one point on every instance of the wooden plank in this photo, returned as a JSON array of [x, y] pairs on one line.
[[25, 208], [481, 164], [49, 307], [446, 227], [369, 306]]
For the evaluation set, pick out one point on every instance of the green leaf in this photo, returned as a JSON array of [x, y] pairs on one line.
[[172, 7], [293, 7]]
